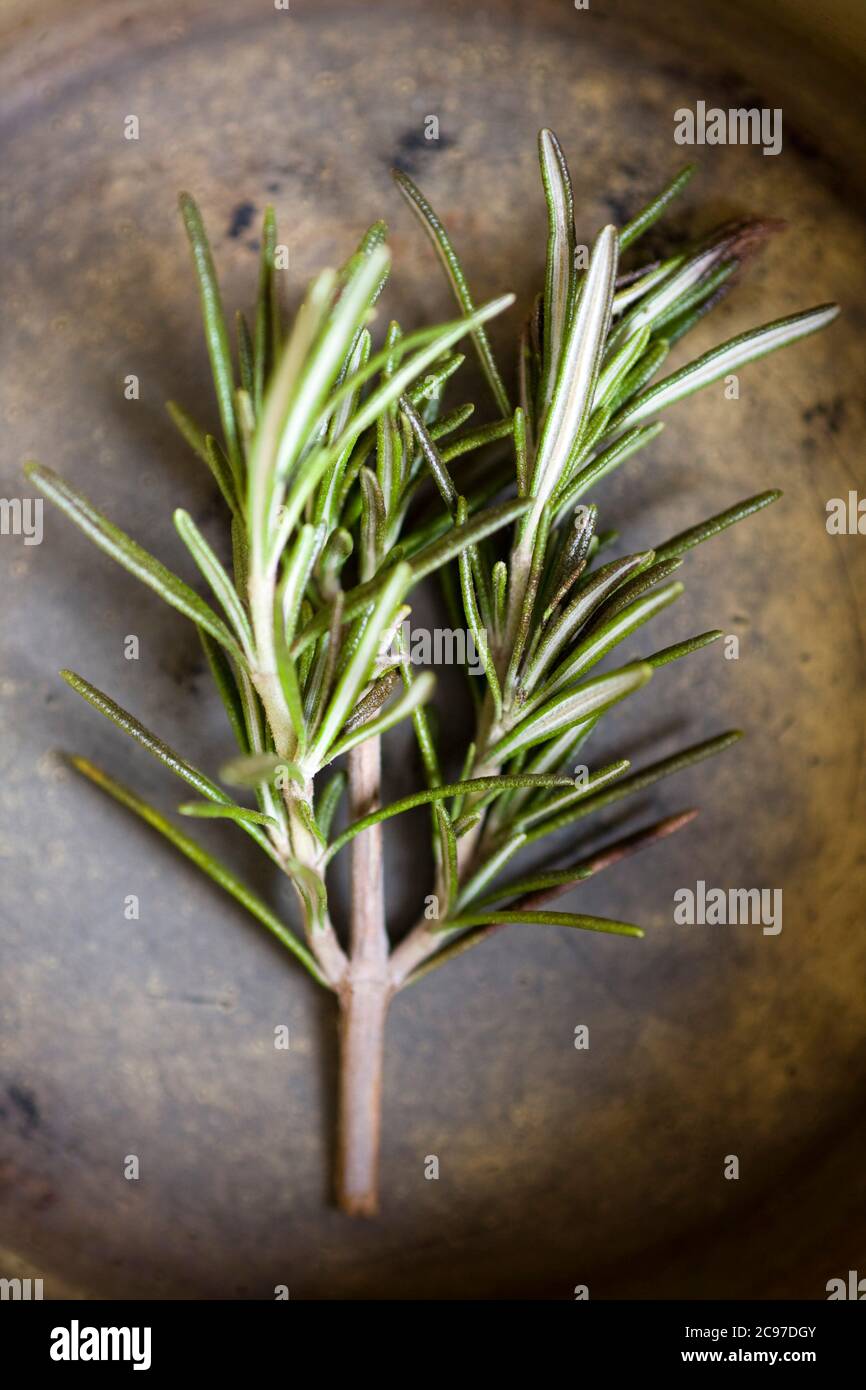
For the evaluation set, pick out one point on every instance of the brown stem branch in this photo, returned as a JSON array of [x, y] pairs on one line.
[[423, 950], [363, 1006], [364, 998]]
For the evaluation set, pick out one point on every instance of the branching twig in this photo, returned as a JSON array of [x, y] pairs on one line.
[[327, 446]]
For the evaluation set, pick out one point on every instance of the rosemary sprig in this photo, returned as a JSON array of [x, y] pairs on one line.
[[347, 483]]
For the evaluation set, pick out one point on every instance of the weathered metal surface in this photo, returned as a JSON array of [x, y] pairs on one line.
[[155, 1037]]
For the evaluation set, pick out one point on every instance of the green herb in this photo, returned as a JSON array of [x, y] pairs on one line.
[[346, 484]]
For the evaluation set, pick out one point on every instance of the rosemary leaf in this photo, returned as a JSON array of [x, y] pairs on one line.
[[132, 556], [448, 256], [545, 919], [216, 333], [214, 869]]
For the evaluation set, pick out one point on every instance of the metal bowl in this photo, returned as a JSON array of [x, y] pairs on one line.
[[154, 1037]]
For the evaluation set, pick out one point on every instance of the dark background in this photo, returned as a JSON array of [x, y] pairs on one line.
[[155, 1037]]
